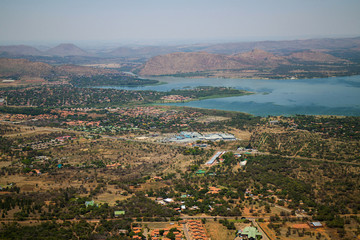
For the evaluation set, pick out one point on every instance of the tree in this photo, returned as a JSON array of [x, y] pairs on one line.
[[171, 235]]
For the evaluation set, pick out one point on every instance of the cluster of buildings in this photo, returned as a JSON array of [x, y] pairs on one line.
[[196, 230], [162, 114], [175, 98], [214, 190], [59, 141], [158, 234], [84, 123], [24, 117], [248, 233], [216, 158], [66, 113], [189, 137]]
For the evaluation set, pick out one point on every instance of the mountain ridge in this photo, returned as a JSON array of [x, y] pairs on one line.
[[25, 68], [66, 49], [280, 47], [240, 65]]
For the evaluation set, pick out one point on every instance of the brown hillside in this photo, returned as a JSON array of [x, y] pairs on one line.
[[181, 62], [25, 68], [67, 50], [22, 67], [20, 50], [256, 61], [260, 57], [315, 56], [82, 70]]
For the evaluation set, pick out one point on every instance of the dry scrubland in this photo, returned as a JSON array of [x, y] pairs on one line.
[[296, 172]]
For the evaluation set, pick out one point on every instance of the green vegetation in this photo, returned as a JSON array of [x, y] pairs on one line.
[[308, 165], [66, 96], [110, 80]]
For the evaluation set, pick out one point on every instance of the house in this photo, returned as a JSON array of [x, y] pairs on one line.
[[157, 178], [89, 203], [274, 122], [243, 163], [250, 233], [136, 230], [315, 224], [213, 159], [213, 190], [201, 172], [37, 171], [168, 200], [114, 165], [227, 136], [123, 231], [119, 213]]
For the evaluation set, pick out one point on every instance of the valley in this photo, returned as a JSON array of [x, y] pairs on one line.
[[109, 146]]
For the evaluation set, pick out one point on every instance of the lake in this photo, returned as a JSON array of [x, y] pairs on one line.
[[321, 96]]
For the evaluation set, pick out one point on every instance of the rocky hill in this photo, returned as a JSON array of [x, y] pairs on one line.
[[19, 50], [22, 67], [315, 56], [260, 58], [61, 50], [143, 52], [257, 62], [181, 62], [66, 49], [285, 46], [25, 68], [278, 47]]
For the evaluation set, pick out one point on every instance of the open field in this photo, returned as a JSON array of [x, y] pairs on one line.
[[218, 231]]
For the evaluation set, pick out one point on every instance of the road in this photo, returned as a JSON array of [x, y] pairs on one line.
[[186, 232], [264, 235]]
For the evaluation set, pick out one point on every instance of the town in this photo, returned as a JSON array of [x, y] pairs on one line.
[[164, 172]]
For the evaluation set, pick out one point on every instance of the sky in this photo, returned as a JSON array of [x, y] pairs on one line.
[[141, 21]]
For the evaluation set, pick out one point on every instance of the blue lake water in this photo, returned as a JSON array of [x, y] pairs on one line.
[[321, 96]]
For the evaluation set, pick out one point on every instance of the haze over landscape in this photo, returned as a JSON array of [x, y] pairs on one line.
[[180, 120], [142, 21]]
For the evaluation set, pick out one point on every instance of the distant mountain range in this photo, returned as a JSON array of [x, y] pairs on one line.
[[280, 47], [266, 59], [20, 50], [61, 50], [66, 49], [18, 68], [286, 46]]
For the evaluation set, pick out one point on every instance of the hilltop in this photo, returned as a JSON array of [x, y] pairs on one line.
[[14, 50], [66, 49], [285, 46], [146, 51], [263, 59], [20, 68], [62, 50], [256, 63], [188, 62]]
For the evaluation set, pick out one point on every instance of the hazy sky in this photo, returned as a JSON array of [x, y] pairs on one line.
[[149, 20]]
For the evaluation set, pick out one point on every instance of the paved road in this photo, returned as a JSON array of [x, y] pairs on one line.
[[264, 236], [186, 232]]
